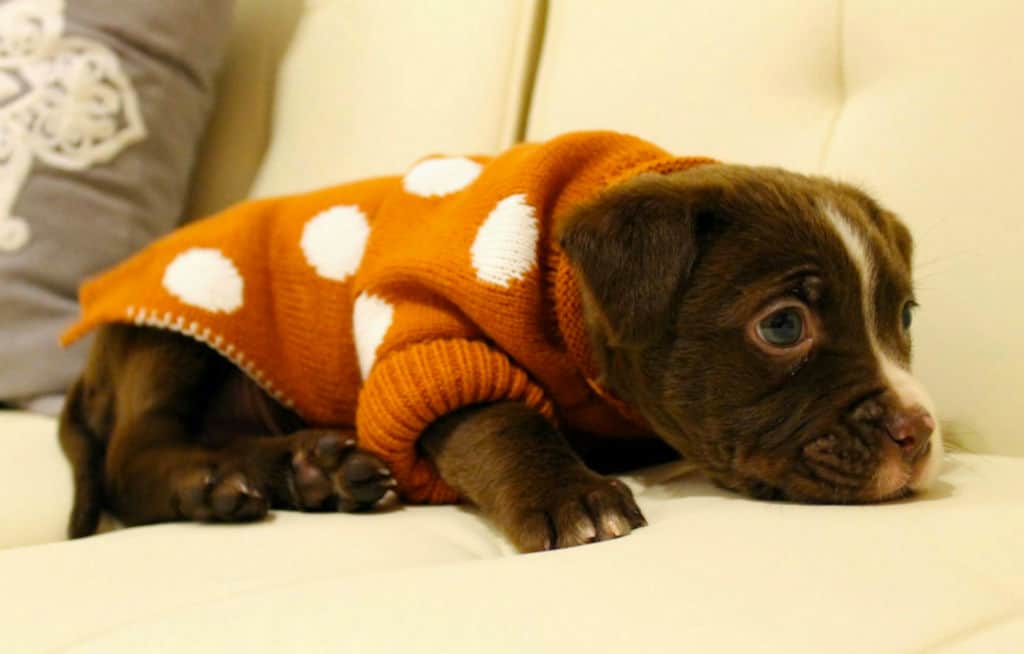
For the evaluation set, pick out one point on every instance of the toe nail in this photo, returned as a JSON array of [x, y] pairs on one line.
[[587, 531], [388, 498], [616, 525], [251, 492]]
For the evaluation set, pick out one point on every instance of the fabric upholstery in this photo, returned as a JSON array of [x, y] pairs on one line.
[[914, 101], [429, 76], [917, 100], [712, 572], [242, 120]]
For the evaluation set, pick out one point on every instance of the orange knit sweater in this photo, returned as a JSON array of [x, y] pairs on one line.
[[386, 303]]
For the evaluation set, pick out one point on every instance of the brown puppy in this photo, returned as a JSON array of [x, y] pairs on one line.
[[757, 320]]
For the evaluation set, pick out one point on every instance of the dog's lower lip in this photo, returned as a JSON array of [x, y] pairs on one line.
[[896, 495], [919, 465], [767, 492], [924, 452]]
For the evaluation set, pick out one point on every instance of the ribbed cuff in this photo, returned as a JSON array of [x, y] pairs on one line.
[[410, 389]]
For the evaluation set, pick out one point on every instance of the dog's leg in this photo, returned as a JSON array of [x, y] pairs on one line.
[[156, 470], [85, 453], [309, 470], [162, 464], [512, 463]]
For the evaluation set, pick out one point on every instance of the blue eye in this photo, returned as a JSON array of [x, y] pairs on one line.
[[908, 314], [784, 328]]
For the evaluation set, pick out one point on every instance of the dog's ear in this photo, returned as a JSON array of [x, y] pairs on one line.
[[633, 249]]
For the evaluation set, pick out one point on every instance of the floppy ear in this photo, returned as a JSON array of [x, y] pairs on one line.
[[634, 248]]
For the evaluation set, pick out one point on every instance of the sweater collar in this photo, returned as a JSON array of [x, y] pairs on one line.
[[573, 329], [568, 303]]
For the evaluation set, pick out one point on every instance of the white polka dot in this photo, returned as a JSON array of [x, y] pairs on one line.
[[333, 241], [205, 278], [505, 247], [371, 319], [434, 177]]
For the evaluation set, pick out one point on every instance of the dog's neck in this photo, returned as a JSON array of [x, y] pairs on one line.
[[572, 327]]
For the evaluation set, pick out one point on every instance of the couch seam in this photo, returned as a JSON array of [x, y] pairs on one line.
[[531, 64], [968, 632]]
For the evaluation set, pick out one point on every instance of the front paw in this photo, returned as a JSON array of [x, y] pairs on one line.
[[329, 473], [584, 511], [218, 494]]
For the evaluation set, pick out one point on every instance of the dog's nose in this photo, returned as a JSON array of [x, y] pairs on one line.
[[909, 428]]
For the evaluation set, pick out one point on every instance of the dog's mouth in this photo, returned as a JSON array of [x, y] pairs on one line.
[[893, 479], [808, 491], [834, 470]]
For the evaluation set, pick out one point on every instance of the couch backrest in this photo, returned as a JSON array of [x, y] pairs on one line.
[[917, 101], [318, 91]]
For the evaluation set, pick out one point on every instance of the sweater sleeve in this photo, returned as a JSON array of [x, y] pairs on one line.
[[411, 388]]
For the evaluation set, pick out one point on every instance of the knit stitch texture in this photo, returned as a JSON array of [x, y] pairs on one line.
[[386, 303]]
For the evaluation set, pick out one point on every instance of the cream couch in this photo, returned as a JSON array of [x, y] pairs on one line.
[[919, 101]]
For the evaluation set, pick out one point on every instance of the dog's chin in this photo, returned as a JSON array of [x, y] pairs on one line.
[[894, 479], [826, 481], [765, 477], [893, 486], [928, 467]]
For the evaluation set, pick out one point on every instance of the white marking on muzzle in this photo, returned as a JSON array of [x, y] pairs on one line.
[[910, 393], [898, 379]]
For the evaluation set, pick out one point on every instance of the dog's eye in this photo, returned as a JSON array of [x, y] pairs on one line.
[[784, 328], [908, 314]]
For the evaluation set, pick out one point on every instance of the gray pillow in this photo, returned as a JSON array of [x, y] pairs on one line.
[[102, 105]]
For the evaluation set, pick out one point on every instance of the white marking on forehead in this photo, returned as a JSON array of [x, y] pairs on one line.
[[857, 249], [907, 389]]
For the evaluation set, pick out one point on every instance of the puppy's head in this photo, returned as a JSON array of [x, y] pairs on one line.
[[761, 322]]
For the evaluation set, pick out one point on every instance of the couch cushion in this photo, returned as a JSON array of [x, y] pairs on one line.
[[366, 87], [240, 125], [37, 482], [713, 572], [715, 78], [101, 108], [915, 102]]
